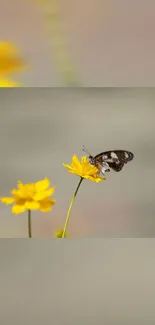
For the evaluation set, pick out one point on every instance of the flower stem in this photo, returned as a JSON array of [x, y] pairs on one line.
[[29, 224], [70, 208]]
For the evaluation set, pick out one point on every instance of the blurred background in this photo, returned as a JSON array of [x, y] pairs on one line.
[[77, 281], [42, 128], [101, 43]]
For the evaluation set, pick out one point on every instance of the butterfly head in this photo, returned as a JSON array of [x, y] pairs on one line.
[[103, 167]]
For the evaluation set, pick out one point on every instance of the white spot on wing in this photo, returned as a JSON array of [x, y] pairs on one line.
[[104, 157], [126, 155], [105, 167], [113, 155]]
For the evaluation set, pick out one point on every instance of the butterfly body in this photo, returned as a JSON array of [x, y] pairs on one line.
[[112, 159]]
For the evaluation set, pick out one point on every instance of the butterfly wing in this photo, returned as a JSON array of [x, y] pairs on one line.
[[114, 158], [116, 167]]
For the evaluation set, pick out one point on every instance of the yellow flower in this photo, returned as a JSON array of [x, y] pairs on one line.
[[5, 83], [10, 60], [34, 196], [59, 233], [84, 169]]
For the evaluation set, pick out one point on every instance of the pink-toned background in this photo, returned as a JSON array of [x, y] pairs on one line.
[[42, 128], [111, 43]]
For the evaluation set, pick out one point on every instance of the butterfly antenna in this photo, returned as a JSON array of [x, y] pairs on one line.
[[86, 151]]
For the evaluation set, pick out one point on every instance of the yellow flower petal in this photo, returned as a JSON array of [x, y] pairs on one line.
[[42, 185], [76, 163], [42, 195], [75, 166], [10, 61], [46, 204], [5, 83], [8, 49], [21, 192], [84, 160], [25, 190], [15, 193], [7, 200], [18, 208], [95, 179], [20, 185], [67, 166], [32, 205], [72, 170]]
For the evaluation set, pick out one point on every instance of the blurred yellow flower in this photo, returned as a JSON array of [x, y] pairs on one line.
[[34, 196], [59, 234], [10, 60], [84, 169], [5, 83]]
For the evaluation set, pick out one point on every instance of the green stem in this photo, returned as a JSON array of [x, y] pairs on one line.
[[70, 208], [29, 224]]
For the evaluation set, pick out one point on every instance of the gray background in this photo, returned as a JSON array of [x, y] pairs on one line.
[[111, 43], [42, 128], [77, 282]]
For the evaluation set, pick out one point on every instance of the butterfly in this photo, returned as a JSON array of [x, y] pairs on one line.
[[112, 159]]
